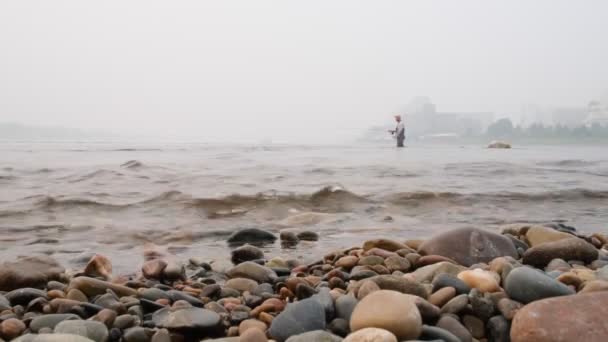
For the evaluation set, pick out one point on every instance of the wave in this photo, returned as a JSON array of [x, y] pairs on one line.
[[421, 197], [569, 163], [132, 164], [330, 199]]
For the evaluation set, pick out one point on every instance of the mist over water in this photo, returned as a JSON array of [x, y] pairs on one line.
[[66, 199]]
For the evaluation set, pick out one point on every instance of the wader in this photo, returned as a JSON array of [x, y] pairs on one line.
[[400, 139]]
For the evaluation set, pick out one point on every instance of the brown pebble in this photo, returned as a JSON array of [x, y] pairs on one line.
[[163, 301], [569, 278], [284, 293], [99, 267], [233, 332], [266, 318], [508, 307], [105, 316], [153, 269], [11, 328], [594, 286], [253, 335], [432, 259], [77, 295], [367, 287], [162, 335], [347, 262], [442, 296], [474, 325], [252, 324], [56, 294]]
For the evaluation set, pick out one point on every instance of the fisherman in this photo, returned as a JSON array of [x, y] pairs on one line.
[[399, 131]]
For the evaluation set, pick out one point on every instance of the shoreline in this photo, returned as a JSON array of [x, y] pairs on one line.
[[459, 285]]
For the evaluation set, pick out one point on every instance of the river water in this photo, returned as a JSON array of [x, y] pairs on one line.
[[72, 199]]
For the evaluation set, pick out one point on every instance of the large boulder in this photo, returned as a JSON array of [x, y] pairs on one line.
[[563, 319], [29, 272], [566, 249], [499, 144], [469, 246], [525, 285], [389, 310]]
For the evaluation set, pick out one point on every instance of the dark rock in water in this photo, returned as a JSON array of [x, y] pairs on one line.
[[345, 305], [251, 270], [447, 280], [298, 318], [289, 237], [29, 272], [469, 246], [435, 333], [187, 319], [24, 296], [246, 253], [498, 329], [316, 336], [50, 321], [525, 285], [96, 331], [340, 327], [561, 319], [566, 249], [308, 236], [253, 236]]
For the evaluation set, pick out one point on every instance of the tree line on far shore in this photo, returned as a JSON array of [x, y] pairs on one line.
[[504, 129]]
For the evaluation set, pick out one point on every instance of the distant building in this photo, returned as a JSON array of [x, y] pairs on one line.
[[569, 116], [596, 114], [423, 119]]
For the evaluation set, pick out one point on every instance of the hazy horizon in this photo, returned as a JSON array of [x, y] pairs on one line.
[[288, 71]]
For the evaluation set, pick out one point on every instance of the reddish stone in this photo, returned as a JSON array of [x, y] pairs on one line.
[[563, 319]]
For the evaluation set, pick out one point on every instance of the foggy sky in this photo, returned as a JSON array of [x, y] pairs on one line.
[[290, 70]]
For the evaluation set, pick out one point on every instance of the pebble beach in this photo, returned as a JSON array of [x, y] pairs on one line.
[[520, 283]]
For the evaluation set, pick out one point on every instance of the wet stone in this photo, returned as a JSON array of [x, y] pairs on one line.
[[95, 331], [252, 236], [298, 318], [456, 304], [499, 329], [24, 296], [446, 280], [50, 321], [435, 333]]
